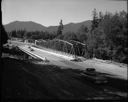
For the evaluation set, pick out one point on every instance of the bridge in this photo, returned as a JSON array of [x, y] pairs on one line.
[[71, 48], [68, 48]]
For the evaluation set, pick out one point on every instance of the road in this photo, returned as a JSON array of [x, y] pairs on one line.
[[114, 70]]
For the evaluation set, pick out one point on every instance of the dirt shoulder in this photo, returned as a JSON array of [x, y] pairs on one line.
[[25, 80]]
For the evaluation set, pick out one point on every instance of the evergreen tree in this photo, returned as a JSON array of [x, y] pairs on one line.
[[92, 41], [82, 33], [95, 20], [60, 28]]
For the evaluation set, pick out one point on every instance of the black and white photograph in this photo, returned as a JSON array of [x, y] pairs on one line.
[[64, 50]]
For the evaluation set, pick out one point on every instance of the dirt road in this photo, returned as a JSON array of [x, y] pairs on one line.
[[23, 80], [55, 59]]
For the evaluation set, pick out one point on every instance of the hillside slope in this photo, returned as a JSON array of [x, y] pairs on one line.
[[28, 26], [32, 26]]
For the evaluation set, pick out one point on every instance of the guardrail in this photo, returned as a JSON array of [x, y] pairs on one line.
[[56, 51], [52, 50], [31, 54]]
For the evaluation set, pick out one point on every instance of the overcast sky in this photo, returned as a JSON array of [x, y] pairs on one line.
[[49, 12]]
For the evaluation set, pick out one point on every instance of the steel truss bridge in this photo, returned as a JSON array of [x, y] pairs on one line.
[[71, 47]]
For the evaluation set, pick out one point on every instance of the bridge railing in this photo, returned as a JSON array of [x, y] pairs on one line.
[[58, 46], [69, 48], [56, 51]]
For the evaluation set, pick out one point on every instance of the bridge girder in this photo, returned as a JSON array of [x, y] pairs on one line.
[[64, 41], [78, 42], [71, 47]]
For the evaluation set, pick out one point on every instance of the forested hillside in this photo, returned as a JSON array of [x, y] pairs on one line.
[[108, 37]]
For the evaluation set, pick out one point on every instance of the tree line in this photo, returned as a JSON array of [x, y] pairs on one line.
[[108, 36], [35, 35]]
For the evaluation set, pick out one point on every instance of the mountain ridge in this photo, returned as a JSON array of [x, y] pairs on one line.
[[33, 26]]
